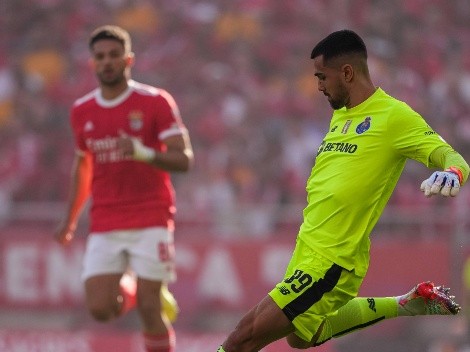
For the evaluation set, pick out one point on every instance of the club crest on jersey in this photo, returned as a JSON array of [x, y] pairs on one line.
[[363, 126], [136, 120]]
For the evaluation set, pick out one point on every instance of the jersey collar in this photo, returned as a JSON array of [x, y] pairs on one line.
[[105, 103]]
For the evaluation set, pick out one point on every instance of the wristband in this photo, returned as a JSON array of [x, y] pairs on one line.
[[456, 171], [141, 152]]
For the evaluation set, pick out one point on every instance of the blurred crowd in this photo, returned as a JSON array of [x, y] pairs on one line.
[[241, 75]]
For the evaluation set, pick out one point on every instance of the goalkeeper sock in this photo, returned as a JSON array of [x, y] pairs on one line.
[[357, 314]]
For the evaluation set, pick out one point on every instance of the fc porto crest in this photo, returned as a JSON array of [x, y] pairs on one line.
[[136, 120], [363, 126]]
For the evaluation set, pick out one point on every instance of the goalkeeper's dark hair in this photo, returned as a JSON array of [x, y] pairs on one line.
[[340, 43], [110, 32]]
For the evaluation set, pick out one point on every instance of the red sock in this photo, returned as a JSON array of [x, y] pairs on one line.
[[129, 295], [160, 343]]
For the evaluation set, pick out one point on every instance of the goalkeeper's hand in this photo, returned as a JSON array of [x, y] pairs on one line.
[[446, 182]]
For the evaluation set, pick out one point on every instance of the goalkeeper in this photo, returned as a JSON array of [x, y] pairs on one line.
[[358, 164]]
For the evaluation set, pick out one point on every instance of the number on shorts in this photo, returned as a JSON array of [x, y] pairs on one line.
[[302, 278]]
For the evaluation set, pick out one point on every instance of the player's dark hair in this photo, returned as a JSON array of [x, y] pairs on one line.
[[339, 43], [111, 32]]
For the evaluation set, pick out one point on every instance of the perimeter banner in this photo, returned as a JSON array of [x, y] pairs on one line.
[[224, 275]]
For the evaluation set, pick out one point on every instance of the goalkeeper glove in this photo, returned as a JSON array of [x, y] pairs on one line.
[[445, 182]]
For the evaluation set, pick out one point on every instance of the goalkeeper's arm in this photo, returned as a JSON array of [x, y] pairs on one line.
[[445, 157]]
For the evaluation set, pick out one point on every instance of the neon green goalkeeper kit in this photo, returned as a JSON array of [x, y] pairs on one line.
[[356, 170]]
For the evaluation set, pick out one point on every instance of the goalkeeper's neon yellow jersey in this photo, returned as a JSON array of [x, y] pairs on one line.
[[356, 170]]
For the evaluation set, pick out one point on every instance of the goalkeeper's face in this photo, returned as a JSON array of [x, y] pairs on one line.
[[331, 84]]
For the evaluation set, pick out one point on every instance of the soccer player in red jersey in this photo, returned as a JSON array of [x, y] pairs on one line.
[[129, 137]]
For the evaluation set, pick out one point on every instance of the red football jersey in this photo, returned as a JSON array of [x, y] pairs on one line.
[[127, 194]]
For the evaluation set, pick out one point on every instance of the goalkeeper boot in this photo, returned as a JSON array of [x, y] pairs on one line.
[[428, 299], [169, 304]]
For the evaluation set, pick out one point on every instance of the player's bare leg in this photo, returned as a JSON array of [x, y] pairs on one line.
[[296, 342], [263, 324], [149, 307], [169, 305], [103, 296], [158, 332]]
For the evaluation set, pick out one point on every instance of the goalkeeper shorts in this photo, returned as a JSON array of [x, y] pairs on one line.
[[313, 287]]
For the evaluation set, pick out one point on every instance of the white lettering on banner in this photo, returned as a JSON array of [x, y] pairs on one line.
[[274, 263], [63, 273], [35, 273], [44, 342], [219, 279], [185, 258], [22, 272]]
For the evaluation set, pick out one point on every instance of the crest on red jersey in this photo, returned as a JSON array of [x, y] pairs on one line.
[[136, 120]]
